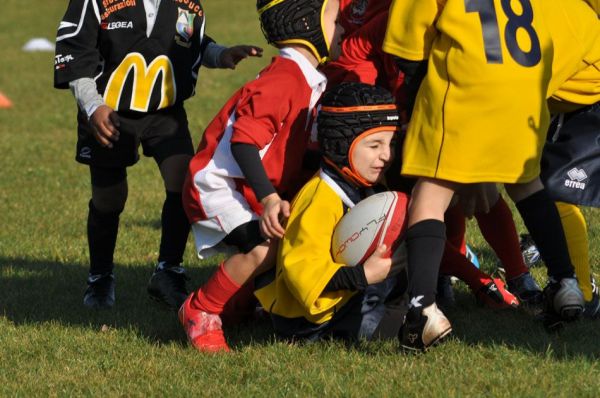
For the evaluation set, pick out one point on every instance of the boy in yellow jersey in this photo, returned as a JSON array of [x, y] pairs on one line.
[[313, 297], [480, 115]]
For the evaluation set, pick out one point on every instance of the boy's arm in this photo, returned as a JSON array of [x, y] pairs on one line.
[[85, 92], [77, 61], [248, 159], [77, 55], [260, 113], [348, 278], [374, 270], [414, 73], [217, 56]]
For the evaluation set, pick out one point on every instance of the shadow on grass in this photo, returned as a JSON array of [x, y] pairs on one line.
[[478, 326], [34, 291]]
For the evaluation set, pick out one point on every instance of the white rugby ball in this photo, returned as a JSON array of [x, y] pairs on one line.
[[378, 219]]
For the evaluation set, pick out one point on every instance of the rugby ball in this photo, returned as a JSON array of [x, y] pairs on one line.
[[378, 219]]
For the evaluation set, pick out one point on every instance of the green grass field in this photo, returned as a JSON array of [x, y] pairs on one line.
[[51, 346]]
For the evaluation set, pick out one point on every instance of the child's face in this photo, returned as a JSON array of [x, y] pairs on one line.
[[372, 155], [332, 29]]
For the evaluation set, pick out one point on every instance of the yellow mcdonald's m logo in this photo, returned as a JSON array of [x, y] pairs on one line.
[[144, 79]]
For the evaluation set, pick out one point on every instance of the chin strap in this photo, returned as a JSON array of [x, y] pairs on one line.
[[349, 174]]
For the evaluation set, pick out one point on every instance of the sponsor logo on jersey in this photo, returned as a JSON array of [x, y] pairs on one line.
[[60, 60], [184, 27], [145, 77], [359, 8], [111, 6], [116, 25], [576, 178]]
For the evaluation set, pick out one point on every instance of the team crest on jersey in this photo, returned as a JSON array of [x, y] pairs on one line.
[[358, 8], [184, 27]]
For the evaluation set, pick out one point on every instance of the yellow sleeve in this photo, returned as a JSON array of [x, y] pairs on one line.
[[595, 5], [305, 260], [411, 28], [576, 63]]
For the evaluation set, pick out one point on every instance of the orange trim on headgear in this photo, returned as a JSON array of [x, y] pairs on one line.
[[350, 172], [360, 108]]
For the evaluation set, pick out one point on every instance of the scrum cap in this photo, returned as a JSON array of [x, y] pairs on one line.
[[349, 111], [295, 21]]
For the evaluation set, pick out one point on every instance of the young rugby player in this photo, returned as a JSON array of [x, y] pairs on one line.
[[130, 68], [356, 13], [310, 296], [362, 59], [480, 115], [250, 160], [570, 166]]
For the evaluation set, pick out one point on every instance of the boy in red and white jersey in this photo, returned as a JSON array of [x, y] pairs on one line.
[[250, 161]]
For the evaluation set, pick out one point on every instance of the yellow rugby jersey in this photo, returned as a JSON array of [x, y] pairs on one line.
[[579, 90], [304, 262], [481, 114]]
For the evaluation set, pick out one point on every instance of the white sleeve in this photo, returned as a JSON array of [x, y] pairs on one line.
[[86, 94]]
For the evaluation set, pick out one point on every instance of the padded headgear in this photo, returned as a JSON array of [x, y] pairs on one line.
[[295, 21], [350, 110]]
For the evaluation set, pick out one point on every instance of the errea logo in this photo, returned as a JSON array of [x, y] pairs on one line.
[[576, 178], [116, 25]]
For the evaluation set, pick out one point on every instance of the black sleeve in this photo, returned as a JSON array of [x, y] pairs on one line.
[[206, 40], [348, 278], [414, 72], [248, 158], [77, 54]]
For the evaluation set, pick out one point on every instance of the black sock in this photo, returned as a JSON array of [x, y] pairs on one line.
[[175, 229], [102, 230], [425, 243], [541, 218]]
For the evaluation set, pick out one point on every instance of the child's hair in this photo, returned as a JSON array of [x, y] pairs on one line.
[[294, 21], [348, 111]]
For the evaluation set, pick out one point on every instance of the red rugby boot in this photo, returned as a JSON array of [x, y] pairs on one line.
[[203, 329]]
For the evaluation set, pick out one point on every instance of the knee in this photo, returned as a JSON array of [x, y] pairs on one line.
[[110, 199], [173, 171]]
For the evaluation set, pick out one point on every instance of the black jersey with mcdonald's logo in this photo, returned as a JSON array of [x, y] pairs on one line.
[[135, 69]]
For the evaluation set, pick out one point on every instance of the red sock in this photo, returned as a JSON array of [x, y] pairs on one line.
[[455, 227], [241, 307], [215, 293], [498, 229], [456, 264]]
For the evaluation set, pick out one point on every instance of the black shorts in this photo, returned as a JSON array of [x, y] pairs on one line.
[[570, 167], [377, 313], [162, 134], [245, 237]]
